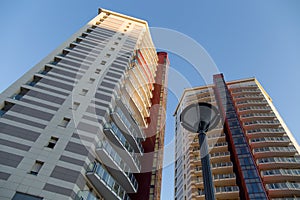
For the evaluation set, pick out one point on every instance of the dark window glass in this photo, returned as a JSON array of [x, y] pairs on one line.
[[22, 196]]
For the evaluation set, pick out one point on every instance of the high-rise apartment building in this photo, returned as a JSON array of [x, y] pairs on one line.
[[253, 154], [86, 122]]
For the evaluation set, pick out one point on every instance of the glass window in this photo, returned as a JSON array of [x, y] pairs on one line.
[[36, 167], [22, 196]]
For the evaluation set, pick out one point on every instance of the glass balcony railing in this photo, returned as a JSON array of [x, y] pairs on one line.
[[130, 127], [104, 175], [275, 149], [221, 190], [271, 139], [266, 130], [254, 108], [288, 172], [119, 135], [258, 115], [85, 195], [227, 189], [262, 122], [117, 158], [222, 164], [281, 186], [288, 160]]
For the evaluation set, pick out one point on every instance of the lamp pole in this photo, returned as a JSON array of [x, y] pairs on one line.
[[200, 118], [206, 168]]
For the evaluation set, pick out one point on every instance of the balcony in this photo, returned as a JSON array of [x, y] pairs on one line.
[[265, 132], [105, 184], [85, 195], [122, 171], [258, 116], [218, 179], [130, 117], [262, 124], [278, 162], [222, 167], [226, 192], [251, 102], [249, 96], [129, 130], [274, 151], [279, 175], [220, 157], [269, 141], [124, 148], [250, 109], [283, 189]]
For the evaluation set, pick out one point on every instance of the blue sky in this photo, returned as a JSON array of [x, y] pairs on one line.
[[244, 38]]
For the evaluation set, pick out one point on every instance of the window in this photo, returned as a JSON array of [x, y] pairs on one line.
[[75, 105], [65, 122], [98, 71], [22, 196], [19, 95], [92, 80], [36, 167], [52, 142], [5, 108], [84, 92]]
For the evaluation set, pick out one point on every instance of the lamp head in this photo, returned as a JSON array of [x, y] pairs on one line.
[[199, 117]]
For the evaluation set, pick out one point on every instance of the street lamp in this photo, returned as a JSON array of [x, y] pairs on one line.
[[200, 118]]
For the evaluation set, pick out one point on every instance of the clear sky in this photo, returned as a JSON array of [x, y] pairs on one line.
[[244, 38]]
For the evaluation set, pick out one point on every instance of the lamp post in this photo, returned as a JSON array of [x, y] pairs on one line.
[[200, 118]]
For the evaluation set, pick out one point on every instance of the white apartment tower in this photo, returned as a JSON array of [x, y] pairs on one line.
[[77, 125]]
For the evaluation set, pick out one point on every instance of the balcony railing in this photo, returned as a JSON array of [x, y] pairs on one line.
[[266, 130], [262, 122], [288, 160], [286, 185], [122, 140], [254, 108], [125, 169], [258, 115], [103, 176], [270, 139], [275, 149], [221, 190], [131, 129], [289, 172]]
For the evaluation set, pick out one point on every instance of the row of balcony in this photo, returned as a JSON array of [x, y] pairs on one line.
[[271, 139], [275, 149], [130, 131], [290, 172], [221, 190], [262, 122], [280, 160], [266, 130], [114, 134], [259, 115], [122, 171], [105, 184]]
